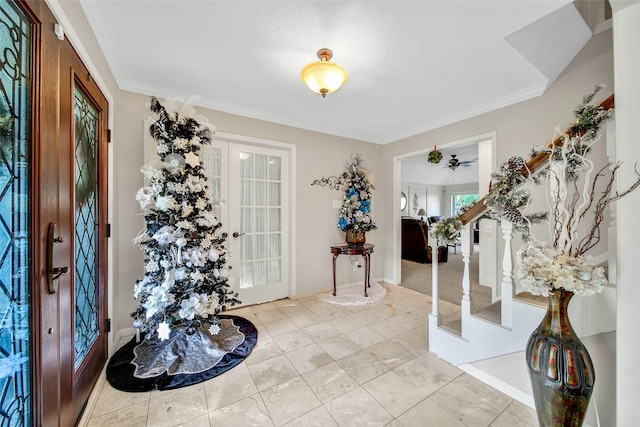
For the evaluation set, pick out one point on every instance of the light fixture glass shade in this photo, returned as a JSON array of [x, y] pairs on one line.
[[324, 76]]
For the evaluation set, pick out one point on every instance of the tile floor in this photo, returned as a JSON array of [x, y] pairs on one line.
[[318, 364]]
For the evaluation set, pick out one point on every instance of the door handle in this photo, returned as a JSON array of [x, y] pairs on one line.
[[53, 273], [236, 234]]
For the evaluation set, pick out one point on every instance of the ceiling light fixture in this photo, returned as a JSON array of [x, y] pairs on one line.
[[324, 76]]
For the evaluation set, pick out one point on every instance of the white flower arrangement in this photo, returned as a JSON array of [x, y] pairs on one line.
[[542, 268], [573, 198]]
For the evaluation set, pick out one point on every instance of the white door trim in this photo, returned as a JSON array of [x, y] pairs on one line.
[[291, 148], [396, 240]]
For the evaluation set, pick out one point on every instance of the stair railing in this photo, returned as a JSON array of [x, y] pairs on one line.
[[533, 165]]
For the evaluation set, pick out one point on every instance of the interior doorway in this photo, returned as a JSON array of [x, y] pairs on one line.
[[474, 160]]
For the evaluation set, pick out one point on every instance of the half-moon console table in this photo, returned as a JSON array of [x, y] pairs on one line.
[[345, 249]]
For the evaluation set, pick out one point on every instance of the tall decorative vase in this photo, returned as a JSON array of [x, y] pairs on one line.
[[560, 367], [355, 237]]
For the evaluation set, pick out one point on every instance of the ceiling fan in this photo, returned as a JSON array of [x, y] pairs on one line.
[[454, 163]]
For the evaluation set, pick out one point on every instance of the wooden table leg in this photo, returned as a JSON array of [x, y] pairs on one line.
[[366, 273], [334, 274]]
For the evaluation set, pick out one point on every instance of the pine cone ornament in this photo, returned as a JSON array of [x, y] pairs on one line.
[[515, 163], [512, 214]]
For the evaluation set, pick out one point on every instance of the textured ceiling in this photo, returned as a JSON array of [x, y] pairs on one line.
[[413, 65]]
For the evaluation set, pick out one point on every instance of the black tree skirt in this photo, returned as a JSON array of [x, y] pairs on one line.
[[120, 370]]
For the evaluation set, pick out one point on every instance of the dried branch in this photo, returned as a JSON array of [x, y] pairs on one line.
[[556, 224], [594, 236]]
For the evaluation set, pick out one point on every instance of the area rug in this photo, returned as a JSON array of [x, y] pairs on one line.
[[182, 360], [354, 295]]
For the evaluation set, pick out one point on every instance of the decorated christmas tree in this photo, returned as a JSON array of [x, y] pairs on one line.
[[186, 278]]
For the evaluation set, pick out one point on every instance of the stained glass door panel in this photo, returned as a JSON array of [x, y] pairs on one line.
[[15, 140], [87, 330]]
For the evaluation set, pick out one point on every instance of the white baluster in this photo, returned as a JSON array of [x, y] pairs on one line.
[[435, 306], [465, 303], [507, 272], [435, 319]]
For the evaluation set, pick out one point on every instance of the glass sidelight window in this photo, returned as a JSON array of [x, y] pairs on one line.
[[15, 146]]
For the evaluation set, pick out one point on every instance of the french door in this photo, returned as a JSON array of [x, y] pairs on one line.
[[255, 182], [53, 192]]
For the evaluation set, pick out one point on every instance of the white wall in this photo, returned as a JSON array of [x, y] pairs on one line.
[[435, 200], [626, 15]]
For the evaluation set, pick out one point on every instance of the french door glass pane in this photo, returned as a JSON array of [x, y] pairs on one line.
[[15, 140], [261, 246], [275, 270], [246, 275], [261, 166], [274, 246], [260, 277], [274, 219], [261, 220], [246, 165], [261, 193], [274, 168], [86, 127], [246, 220], [274, 194], [246, 192], [212, 162]]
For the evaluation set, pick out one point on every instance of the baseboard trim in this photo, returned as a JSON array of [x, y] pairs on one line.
[[499, 385]]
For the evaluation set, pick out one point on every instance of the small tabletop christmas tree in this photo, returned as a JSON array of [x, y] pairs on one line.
[[355, 213], [186, 278]]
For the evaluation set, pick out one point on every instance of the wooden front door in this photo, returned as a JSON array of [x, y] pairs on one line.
[[53, 215], [82, 214]]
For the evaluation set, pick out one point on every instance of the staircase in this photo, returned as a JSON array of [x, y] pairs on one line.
[[479, 339]]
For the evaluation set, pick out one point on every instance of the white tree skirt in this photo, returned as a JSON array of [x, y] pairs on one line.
[[354, 295]]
